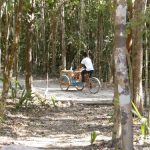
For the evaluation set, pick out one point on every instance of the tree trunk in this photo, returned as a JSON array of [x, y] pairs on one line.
[[99, 46], [9, 60], [43, 42], [82, 46], [0, 38], [28, 77], [63, 48], [122, 76], [146, 70], [54, 46], [137, 53], [129, 45], [116, 133]]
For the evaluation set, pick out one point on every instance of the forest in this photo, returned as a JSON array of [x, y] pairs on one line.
[[40, 38]]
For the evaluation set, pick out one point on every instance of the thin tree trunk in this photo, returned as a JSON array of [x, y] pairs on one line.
[[11, 55], [63, 48], [122, 76], [129, 45], [43, 42], [137, 53], [99, 46], [28, 77], [53, 39], [116, 133], [0, 37], [81, 31], [146, 70]]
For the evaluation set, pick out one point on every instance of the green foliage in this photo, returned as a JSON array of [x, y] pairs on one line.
[[26, 96], [93, 137], [15, 86], [53, 99], [143, 120], [101, 6]]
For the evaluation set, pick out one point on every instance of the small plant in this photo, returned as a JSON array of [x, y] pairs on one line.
[[143, 120], [93, 137], [15, 86], [25, 97], [53, 99]]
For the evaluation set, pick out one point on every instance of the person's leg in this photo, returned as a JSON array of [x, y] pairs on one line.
[[83, 76], [91, 73]]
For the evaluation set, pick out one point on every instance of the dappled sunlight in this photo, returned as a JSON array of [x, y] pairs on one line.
[[59, 140], [67, 126]]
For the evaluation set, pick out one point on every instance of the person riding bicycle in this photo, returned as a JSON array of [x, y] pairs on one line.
[[87, 66]]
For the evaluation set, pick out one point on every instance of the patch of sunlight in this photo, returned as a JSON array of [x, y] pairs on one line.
[[59, 140], [17, 116], [63, 117], [92, 123]]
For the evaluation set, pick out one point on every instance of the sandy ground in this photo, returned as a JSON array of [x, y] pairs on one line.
[[104, 96], [68, 126]]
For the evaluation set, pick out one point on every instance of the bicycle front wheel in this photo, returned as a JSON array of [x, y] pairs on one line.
[[79, 85], [95, 85], [64, 82]]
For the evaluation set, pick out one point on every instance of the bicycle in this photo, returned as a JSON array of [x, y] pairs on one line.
[[69, 78]]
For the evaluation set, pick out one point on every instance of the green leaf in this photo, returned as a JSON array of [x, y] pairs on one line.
[[143, 120], [53, 99], [93, 137], [136, 110]]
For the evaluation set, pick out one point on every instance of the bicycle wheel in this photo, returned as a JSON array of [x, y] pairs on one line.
[[64, 82], [94, 85], [79, 85]]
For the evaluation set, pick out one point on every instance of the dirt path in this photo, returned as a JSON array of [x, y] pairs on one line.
[[104, 96], [68, 126], [65, 127]]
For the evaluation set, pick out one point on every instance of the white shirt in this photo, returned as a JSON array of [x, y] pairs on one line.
[[88, 63]]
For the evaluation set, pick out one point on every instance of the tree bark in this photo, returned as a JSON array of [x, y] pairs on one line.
[[137, 53], [122, 76], [0, 38], [28, 75], [9, 59], [116, 133], [99, 46], [53, 43], [63, 48]]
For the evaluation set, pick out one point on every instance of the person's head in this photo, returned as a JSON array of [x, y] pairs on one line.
[[85, 54]]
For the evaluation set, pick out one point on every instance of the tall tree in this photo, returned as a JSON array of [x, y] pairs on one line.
[[0, 35], [10, 55], [63, 48], [137, 52], [99, 46], [43, 41], [122, 75], [116, 132], [129, 44], [53, 41], [28, 76]]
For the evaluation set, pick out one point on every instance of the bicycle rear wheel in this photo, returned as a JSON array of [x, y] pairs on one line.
[[64, 82], [95, 85]]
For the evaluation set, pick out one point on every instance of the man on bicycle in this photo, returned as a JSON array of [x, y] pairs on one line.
[[87, 66]]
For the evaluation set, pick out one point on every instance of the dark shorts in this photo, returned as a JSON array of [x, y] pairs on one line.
[[86, 72]]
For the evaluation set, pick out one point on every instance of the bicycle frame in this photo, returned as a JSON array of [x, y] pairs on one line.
[[70, 78]]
